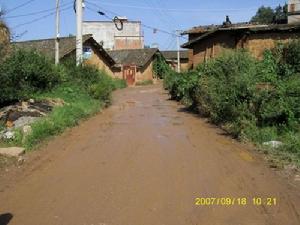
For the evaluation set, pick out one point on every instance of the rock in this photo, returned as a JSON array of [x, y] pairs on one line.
[[273, 144], [12, 151], [56, 102], [25, 120], [24, 106], [8, 135], [31, 101]]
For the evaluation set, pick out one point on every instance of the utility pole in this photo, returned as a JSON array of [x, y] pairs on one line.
[[79, 43], [57, 32], [178, 51]]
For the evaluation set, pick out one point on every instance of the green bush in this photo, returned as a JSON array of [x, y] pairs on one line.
[[119, 84], [97, 83], [25, 72], [256, 100], [78, 105], [160, 67]]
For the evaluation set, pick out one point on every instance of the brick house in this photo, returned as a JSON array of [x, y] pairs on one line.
[[210, 41], [93, 53], [171, 59], [134, 65], [106, 33]]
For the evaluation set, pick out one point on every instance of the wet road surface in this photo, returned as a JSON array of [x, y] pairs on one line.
[[144, 161]]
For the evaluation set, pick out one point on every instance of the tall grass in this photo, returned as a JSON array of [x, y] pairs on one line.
[[253, 100]]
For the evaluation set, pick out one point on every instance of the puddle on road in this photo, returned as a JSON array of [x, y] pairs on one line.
[[246, 156]]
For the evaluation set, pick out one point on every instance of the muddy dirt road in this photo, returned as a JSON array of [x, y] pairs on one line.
[[144, 161]]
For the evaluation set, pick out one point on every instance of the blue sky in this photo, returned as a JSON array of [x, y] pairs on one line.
[[168, 15]]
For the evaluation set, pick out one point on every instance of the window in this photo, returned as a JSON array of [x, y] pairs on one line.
[[87, 52]]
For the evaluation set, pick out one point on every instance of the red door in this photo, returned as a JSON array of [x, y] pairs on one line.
[[129, 74]]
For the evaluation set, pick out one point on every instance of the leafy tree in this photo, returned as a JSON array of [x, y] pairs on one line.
[[280, 14], [267, 15], [264, 15]]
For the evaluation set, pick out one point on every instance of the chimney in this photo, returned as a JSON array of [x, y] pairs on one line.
[[294, 12]]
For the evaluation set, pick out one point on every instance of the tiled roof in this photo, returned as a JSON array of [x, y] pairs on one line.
[[249, 28], [173, 54], [138, 57], [67, 45]]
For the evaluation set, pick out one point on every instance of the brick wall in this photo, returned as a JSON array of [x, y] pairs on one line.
[[128, 43], [256, 43], [145, 73], [100, 62], [212, 47]]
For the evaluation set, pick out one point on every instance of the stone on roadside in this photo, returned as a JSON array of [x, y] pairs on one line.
[[8, 135], [12, 151], [273, 144], [25, 120]]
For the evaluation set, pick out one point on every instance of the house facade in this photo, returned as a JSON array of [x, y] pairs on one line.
[[134, 65], [294, 11], [111, 37], [209, 42], [93, 53], [171, 59]]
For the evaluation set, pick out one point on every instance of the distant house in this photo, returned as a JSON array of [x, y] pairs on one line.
[[111, 36], [134, 65], [171, 58], [208, 42], [294, 11], [93, 53]]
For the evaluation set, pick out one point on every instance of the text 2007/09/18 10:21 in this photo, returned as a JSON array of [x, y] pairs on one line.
[[226, 201]]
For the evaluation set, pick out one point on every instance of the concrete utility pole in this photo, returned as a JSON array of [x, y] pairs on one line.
[[57, 32], [79, 32], [178, 51]]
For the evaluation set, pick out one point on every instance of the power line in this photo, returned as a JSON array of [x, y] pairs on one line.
[[40, 18], [36, 13], [177, 10], [144, 25], [19, 6]]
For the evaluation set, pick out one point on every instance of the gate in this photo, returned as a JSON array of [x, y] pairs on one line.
[[129, 73]]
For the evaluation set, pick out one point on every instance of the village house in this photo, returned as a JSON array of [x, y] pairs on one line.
[[93, 53], [171, 59], [112, 36], [134, 65], [210, 41]]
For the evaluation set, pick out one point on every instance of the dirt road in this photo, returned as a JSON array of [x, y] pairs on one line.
[[144, 161]]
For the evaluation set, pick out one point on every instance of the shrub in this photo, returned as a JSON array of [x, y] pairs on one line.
[[160, 67], [256, 100], [226, 86], [119, 84], [25, 72]]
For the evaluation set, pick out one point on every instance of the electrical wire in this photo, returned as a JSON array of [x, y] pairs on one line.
[[19, 6], [144, 25], [176, 10], [35, 13], [40, 18]]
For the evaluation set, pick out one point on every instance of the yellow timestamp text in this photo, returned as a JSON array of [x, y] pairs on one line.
[[228, 201]]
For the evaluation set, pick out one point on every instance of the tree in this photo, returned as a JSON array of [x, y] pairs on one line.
[[281, 14], [264, 15], [267, 15]]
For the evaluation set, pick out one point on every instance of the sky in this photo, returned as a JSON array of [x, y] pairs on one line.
[[35, 19]]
